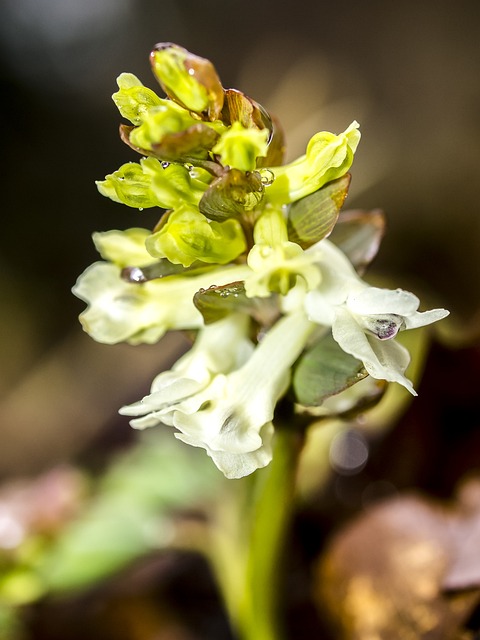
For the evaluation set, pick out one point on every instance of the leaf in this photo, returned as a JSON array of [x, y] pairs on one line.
[[131, 512], [359, 234], [323, 371], [231, 195], [216, 303], [312, 218]]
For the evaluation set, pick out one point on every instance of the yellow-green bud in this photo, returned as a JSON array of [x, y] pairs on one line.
[[158, 122], [133, 100], [188, 79], [188, 236], [240, 147], [129, 185], [328, 157], [124, 248]]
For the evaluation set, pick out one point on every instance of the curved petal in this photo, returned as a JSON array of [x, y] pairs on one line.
[[384, 360], [422, 318]]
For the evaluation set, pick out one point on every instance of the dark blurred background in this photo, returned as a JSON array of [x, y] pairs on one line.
[[407, 71]]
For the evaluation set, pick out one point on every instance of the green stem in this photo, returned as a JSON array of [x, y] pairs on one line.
[[270, 520], [248, 553]]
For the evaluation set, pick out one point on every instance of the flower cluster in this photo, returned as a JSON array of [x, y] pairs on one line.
[[240, 255]]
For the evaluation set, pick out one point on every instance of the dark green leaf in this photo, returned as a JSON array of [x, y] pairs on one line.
[[312, 218], [216, 303], [359, 234], [323, 371]]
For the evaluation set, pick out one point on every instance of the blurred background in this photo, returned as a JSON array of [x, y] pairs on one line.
[[407, 71]]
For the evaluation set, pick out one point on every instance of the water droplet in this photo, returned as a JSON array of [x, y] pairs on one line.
[[133, 274], [140, 208], [267, 177], [165, 164], [189, 166]]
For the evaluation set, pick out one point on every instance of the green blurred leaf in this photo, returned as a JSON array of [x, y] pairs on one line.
[[130, 513], [313, 217], [323, 371]]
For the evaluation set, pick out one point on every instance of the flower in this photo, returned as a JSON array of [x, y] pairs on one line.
[[239, 256], [121, 311], [277, 263], [328, 156], [231, 417], [364, 319], [195, 369]]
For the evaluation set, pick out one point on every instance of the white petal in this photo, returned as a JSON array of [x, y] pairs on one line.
[[374, 301], [420, 319], [238, 465]]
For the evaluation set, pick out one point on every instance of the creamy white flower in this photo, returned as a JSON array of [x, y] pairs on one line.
[[364, 319], [231, 418], [121, 311], [277, 269], [219, 347]]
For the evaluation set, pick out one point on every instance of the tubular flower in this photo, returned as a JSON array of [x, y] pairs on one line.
[[231, 418], [327, 157], [194, 370], [121, 311], [364, 319]]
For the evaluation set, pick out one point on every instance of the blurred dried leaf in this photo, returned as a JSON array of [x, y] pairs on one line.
[[359, 234], [384, 575]]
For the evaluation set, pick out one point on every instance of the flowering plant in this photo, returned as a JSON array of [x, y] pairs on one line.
[[255, 258]]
